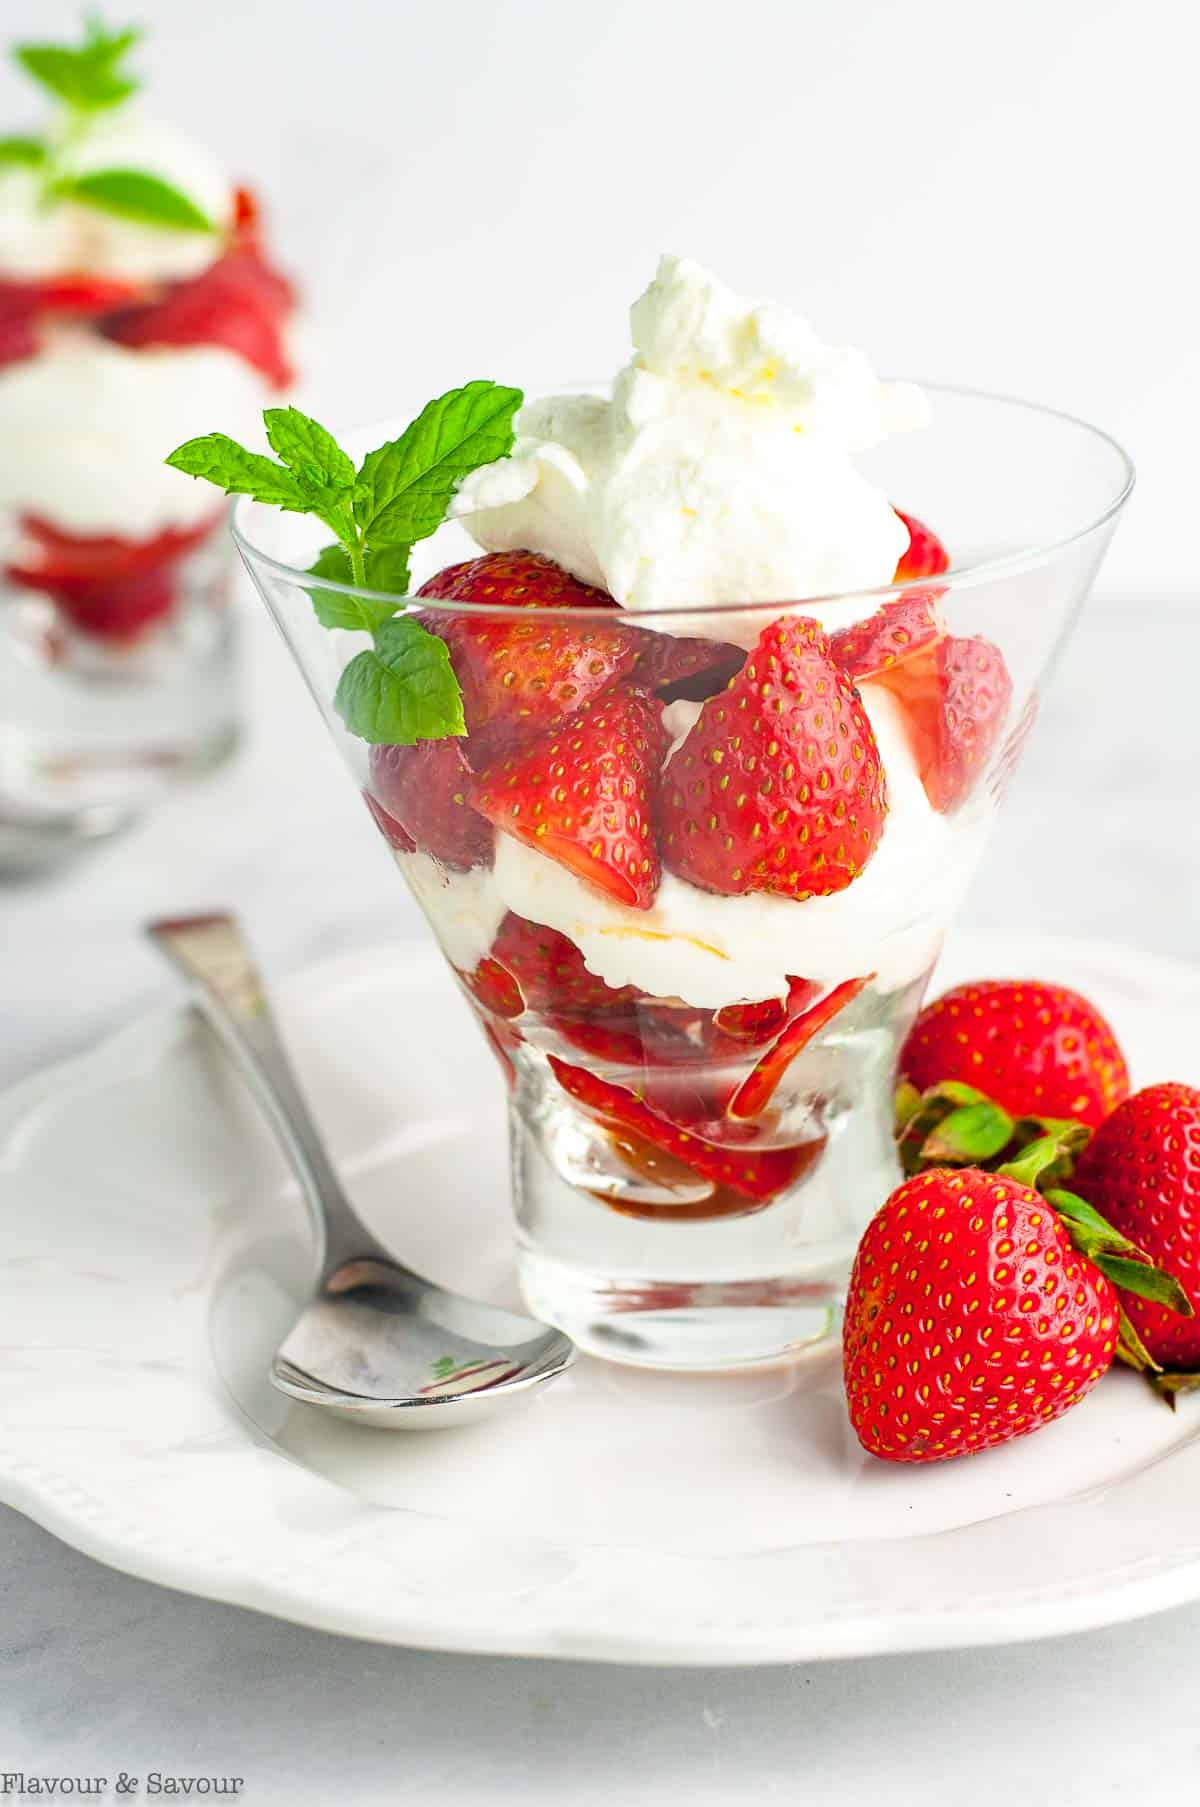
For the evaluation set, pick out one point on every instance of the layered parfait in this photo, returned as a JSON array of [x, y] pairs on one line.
[[684, 764], [137, 302]]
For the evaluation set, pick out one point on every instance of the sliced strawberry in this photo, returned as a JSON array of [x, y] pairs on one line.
[[18, 337], [926, 556], [111, 588], [779, 786], [514, 580], [520, 676], [388, 826], [584, 795], [686, 667], [759, 1174], [494, 989], [756, 1091], [239, 302], [749, 1025], [955, 697], [616, 1039], [425, 789], [550, 971], [896, 632], [73, 294]]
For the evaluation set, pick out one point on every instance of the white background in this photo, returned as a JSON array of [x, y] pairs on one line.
[[998, 195]]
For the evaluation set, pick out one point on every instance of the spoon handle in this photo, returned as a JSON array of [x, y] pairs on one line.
[[211, 954]]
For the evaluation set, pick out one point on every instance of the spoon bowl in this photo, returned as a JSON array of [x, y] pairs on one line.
[[377, 1343]]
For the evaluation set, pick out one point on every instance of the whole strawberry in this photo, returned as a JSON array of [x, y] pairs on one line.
[[1141, 1170], [1038, 1050], [970, 1318], [779, 786]]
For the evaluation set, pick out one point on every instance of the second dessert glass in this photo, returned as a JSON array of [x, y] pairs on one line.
[[701, 1090]]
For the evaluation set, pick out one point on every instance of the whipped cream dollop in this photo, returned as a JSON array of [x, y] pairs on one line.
[[85, 426], [720, 471], [64, 238], [712, 950]]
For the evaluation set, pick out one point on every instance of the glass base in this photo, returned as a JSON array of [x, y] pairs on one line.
[[92, 735], [693, 1326], [708, 1294]]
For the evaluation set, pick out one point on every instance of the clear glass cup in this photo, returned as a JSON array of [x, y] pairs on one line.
[[700, 1133], [117, 679]]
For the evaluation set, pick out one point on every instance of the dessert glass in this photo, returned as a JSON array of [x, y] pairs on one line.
[[112, 689], [700, 1094]]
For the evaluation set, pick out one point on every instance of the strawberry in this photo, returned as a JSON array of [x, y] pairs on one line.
[[425, 790], [926, 556], [955, 696], [685, 667], [514, 580], [239, 302], [18, 337], [887, 638], [110, 587], [72, 295], [758, 1174], [584, 794], [550, 971], [520, 677], [1037, 1050], [970, 1318], [1142, 1171], [749, 1025], [389, 828], [494, 989], [779, 786], [756, 1091]]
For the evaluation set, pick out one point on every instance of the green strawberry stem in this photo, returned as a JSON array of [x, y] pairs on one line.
[[955, 1125], [1120, 1260], [1132, 1351]]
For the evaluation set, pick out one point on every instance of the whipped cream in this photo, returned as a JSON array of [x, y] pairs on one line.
[[721, 470], [465, 909], [64, 239], [711, 950], [85, 426]]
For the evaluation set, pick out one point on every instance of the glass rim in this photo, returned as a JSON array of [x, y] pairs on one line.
[[964, 577]]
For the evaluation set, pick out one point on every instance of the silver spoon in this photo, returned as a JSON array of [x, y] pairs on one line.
[[376, 1343]]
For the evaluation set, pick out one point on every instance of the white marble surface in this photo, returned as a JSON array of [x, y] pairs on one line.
[[98, 1672]]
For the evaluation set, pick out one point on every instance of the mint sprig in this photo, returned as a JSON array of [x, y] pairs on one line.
[[88, 79], [403, 689]]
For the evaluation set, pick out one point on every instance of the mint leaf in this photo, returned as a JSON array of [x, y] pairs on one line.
[[29, 152], [88, 76], [134, 194], [308, 448], [403, 690], [386, 570], [404, 486], [221, 460], [317, 460]]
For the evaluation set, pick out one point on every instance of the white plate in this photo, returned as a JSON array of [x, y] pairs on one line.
[[152, 1250]]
